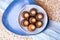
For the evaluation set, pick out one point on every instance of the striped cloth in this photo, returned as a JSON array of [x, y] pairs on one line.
[[51, 33]]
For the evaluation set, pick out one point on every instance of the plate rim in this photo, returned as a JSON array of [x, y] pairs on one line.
[[7, 26]]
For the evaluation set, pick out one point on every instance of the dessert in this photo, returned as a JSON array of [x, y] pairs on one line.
[[32, 20], [31, 27], [25, 23], [26, 14], [39, 24], [33, 12], [39, 16]]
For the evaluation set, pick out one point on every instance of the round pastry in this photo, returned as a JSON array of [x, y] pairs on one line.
[[39, 16], [39, 24], [26, 14], [32, 20], [25, 23], [33, 12], [31, 27]]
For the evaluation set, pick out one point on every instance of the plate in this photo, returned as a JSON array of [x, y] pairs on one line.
[[40, 10], [10, 17]]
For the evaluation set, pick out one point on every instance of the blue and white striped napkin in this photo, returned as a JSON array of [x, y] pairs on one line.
[[51, 33]]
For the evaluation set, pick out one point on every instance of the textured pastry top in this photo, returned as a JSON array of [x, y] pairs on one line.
[[52, 7]]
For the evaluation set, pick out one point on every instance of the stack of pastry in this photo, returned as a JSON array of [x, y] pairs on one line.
[[52, 8]]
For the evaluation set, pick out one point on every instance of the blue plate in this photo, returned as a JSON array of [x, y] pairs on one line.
[[10, 16]]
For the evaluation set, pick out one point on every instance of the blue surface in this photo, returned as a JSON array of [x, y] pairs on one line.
[[6, 13], [4, 19]]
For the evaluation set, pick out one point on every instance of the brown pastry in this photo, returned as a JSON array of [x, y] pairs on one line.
[[50, 8], [32, 20], [25, 23], [33, 12], [26, 14], [41, 3], [39, 24], [39, 16], [31, 27]]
